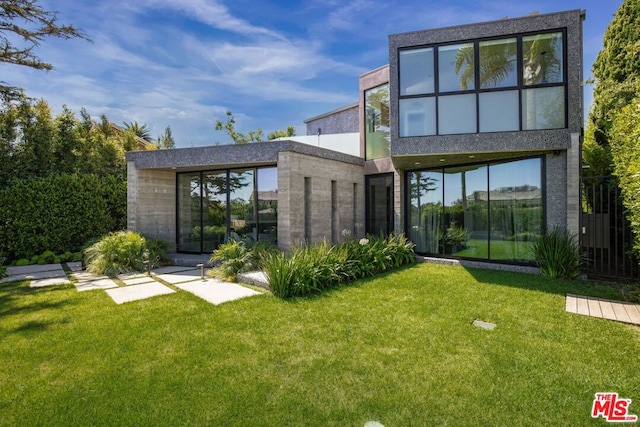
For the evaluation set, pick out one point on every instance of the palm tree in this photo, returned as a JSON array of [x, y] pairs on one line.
[[139, 131]]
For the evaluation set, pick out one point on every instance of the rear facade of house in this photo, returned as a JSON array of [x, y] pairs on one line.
[[468, 142]]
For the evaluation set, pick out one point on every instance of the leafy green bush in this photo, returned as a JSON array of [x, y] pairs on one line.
[[122, 252], [234, 257], [22, 262], [58, 213], [309, 269], [557, 254]]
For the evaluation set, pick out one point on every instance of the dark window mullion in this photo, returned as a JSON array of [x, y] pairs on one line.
[[476, 71]]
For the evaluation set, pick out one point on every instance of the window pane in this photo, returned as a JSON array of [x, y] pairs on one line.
[[542, 59], [417, 117], [543, 108], [214, 210], [268, 205], [377, 122], [499, 111], [416, 71], [465, 211], [498, 63], [189, 212], [456, 68], [515, 202], [457, 114], [425, 211], [242, 220]]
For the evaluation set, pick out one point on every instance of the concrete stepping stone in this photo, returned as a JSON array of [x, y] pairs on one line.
[[75, 266], [138, 292], [217, 292], [170, 269], [90, 285], [31, 269], [138, 280], [183, 276], [40, 283], [21, 273]]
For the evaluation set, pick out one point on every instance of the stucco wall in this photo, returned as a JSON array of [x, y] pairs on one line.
[[293, 221], [151, 203]]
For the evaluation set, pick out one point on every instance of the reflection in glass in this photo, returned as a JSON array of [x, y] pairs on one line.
[[498, 63], [515, 201], [499, 111], [377, 122], [380, 204], [456, 69], [268, 205], [418, 116], [465, 211], [425, 211], [242, 221], [459, 211], [189, 231], [416, 71], [214, 210], [543, 108], [457, 114], [542, 59]]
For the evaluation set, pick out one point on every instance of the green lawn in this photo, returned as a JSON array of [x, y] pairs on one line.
[[399, 349]]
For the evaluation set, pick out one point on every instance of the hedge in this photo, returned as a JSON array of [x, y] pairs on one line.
[[59, 213]]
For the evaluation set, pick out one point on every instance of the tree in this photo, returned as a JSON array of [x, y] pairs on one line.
[[166, 141], [23, 25], [139, 131], [229, 127], [616, 72]]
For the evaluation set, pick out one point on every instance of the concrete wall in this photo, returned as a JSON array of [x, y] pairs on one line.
[[151, 202], [295, 226]]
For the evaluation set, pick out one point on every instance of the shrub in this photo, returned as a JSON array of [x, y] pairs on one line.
[[22, 262], [122, 252], [557, 254], [309, 269], [58, 213], [234, 257]]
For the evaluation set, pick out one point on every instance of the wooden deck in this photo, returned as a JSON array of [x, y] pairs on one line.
[[607, 309]]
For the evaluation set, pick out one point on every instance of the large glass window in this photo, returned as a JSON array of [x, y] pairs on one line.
[[496, 85], [189, 207], [456, 67], [484, 211], [379, 196], [498, 63], [416, 71], [268, 205], [214, 207], [377, 122], [417, 116]]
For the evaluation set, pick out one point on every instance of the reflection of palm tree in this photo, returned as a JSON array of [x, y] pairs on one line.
[[540, 59]]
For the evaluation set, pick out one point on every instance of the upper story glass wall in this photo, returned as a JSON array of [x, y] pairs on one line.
[[512, 83], [377, 122]]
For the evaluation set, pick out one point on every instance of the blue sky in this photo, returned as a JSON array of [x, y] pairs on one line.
[[183, 63]]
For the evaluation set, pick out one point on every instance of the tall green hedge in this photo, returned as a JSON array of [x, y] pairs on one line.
[[59, 212]]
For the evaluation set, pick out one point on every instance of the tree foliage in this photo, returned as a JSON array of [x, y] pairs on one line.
[[625, 150], [229, 127], [141, 131], [24, 24], [617, 72], [166, 141]]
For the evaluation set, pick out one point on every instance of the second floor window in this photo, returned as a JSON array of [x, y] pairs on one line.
[[497, 85]]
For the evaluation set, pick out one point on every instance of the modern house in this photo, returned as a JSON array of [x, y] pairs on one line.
[[468, 142]]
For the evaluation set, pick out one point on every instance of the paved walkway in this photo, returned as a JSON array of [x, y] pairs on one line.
[[607, 309], [137, 286]]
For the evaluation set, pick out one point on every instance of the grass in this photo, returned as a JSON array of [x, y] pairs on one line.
[[398, 348]]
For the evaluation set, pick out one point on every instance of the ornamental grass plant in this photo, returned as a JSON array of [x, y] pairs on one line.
[[557, 254]]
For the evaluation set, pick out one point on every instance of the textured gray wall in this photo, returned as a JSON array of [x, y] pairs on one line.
[[343, 120], [293, 168]]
